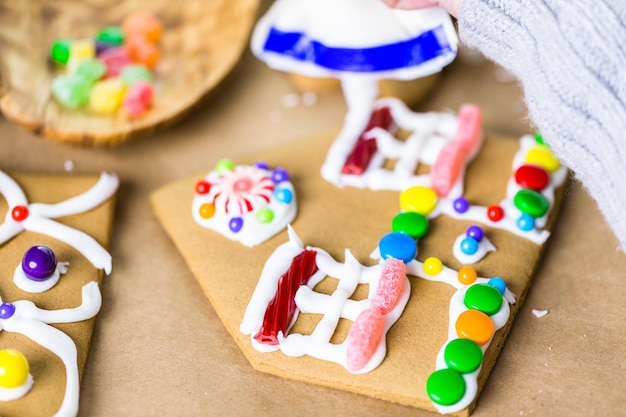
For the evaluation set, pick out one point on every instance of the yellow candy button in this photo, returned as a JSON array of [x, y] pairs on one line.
[[433, 266], [419, 199], [543, 156], [14, 368], [474, 325]]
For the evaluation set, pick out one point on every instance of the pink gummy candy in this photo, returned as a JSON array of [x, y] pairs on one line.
[[138, 98], [364, 338], [445, 171], [390, 285], [115, 59]]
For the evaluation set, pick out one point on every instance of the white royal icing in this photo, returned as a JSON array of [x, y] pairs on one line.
[[26, 284], [332, 307], [33, 323], [10, 394], [40, 217]]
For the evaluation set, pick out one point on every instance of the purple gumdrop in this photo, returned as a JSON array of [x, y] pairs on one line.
[[39, 263], [279, 175], [235, 224]]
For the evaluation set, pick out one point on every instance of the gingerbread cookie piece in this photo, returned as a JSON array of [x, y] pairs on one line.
[[54, 244], [414, 361]]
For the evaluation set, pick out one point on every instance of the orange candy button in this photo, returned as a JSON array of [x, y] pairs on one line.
[[467, 275], [474, 325]]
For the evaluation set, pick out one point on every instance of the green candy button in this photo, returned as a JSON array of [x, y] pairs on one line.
[[463, 355], [531, 202], [265, 215], [411, 223], [483, 297], [445, 386], [60, 50]]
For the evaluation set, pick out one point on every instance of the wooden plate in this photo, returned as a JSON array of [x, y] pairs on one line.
[[202, 42]]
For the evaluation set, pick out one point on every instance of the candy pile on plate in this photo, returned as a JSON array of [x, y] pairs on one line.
[[111, 71]]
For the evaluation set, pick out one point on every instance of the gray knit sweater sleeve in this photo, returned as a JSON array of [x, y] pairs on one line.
[[570, 57]]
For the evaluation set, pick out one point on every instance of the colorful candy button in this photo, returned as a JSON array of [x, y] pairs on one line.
[[284, 195], [467, 275], [412, 223], [14, 368], [235, 224], [39, 263], [474, 325], [463, 355], [397, 245], [112, 35], [531, 202], [207, 210], [279, 175], [419, 199], [445, 386], [433, 266], [224, 165], [495, 213], [532, 176], [542, 155], [265, 215], [469, 246], [460, 205], [6, 310], [498, 283], [476, 232], [203, 187], [526, 222], [484, 298]]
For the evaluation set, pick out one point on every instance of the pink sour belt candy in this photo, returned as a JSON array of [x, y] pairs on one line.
[[452, 157], [390, 285], [364, 338], [364, 149]]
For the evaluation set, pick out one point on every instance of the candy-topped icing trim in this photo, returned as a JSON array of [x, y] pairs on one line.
[[26, 283], [39, 217]]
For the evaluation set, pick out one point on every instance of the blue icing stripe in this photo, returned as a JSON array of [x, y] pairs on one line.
[[408, 53]]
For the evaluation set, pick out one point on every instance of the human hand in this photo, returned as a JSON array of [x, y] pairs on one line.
[[451, 6]]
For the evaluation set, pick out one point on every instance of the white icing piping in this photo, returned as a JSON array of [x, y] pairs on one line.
[[40, 215], [26, 284], [33, 323]]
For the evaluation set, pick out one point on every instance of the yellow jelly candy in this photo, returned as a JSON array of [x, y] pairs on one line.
[[107, 96], [419, 199], [14, 368], [80, 50], [543, 156]]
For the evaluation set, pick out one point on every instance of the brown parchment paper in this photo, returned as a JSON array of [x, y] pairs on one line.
[[159, 348], [48, 371]]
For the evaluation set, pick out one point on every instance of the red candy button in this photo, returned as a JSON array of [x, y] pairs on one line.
[[19, 213], [495, 213], [532, 176]]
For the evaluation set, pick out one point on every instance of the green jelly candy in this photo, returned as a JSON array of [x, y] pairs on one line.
[[463, 355], [531, 202], [445, 386], [91, 69], [60, 51], [224, 165], [265, 215], [411, 223], [112, 35], [133, 73], [71, 90], [483, 297]]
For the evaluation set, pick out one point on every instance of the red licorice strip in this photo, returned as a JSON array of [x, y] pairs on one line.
[[364, 149], [282, 307]]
